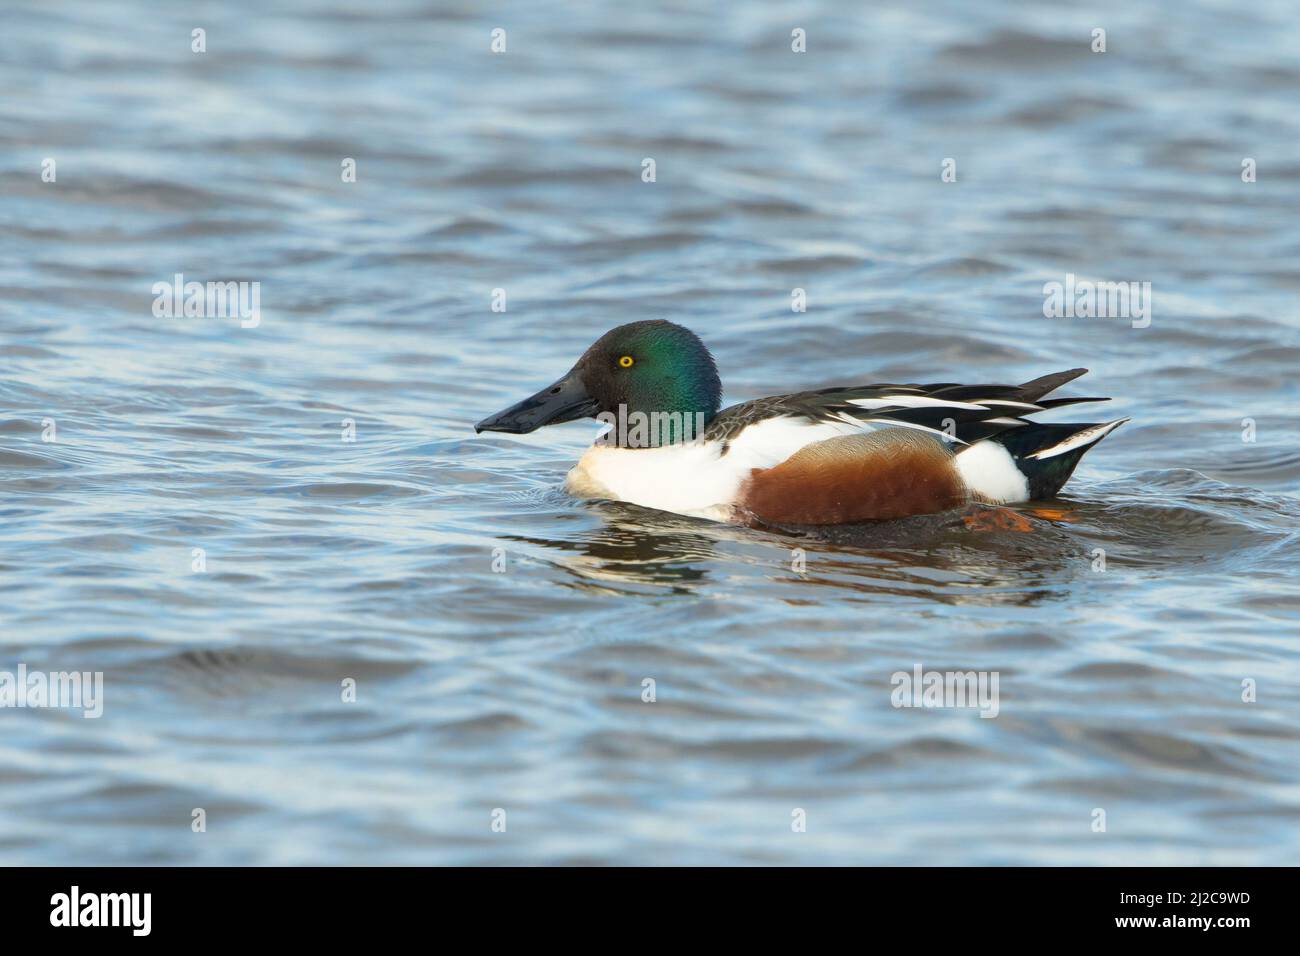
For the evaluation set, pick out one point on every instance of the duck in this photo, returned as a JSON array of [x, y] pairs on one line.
[[830, 456]]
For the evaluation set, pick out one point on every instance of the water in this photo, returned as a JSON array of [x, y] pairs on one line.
[[1120, 690]]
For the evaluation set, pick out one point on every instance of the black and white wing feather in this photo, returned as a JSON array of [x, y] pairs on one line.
[[962, 414]]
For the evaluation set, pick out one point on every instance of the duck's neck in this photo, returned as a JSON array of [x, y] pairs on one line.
[[641, 428]]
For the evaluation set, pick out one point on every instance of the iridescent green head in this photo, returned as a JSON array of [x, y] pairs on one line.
[[641, 369]]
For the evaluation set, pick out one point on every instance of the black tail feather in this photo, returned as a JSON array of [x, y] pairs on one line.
[[1049, 473], [1036, 389], [1058, 402]]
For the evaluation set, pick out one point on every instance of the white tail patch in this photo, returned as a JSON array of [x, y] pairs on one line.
[[1079, 439], [990, 472]]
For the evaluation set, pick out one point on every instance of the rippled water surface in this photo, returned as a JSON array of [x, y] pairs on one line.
[[520, 689]]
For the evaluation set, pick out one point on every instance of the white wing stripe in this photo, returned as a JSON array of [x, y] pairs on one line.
[[1010, 404], [1085, 437], [912, 401]]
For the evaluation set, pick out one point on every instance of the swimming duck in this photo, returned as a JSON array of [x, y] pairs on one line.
[[829, 456]]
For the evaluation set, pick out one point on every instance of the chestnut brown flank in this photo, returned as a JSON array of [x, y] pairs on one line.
[[893, 473]]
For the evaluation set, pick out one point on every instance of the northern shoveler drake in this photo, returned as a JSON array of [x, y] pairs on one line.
[[830, 456]]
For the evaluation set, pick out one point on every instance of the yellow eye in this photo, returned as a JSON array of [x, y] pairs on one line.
[[625, 362]]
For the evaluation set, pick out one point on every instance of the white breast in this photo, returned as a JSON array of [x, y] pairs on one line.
[[695, 478]]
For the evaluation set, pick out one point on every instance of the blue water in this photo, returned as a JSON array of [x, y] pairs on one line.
[[519, 688]]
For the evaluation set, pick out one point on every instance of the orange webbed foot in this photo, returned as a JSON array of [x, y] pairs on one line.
[[1053, 514], [997, 519]]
